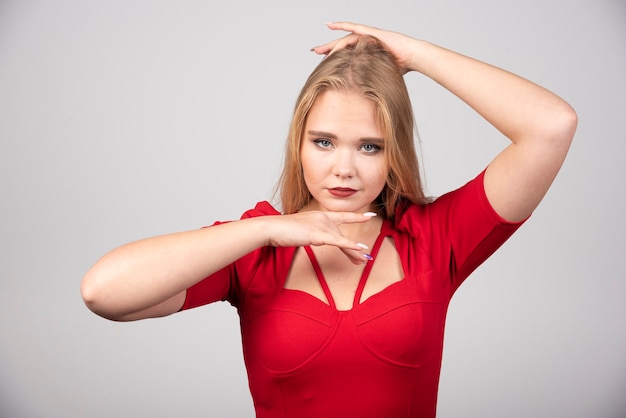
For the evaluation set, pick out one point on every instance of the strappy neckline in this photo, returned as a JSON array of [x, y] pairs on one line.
[[364, 275]]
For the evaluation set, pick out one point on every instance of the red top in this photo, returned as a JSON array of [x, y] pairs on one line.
[[381, 358]]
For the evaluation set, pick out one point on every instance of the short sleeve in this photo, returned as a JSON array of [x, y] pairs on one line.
[[461, 230], [227, 284]]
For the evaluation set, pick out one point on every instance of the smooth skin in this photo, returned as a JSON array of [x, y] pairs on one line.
[[149, 278], [342, 151]]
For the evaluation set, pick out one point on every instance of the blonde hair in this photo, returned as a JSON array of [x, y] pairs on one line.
[[366, 68]]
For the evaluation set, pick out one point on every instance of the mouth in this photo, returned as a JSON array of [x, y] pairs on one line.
[[342, 191]]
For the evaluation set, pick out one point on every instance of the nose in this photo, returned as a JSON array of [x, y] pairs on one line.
[[343, 165]]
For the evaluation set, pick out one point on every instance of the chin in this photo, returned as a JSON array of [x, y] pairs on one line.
[[345, 206]]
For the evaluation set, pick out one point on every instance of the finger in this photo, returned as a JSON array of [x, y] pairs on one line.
[[344, 42], [357, 257], [339, 218], [357, 253], [345, 26], [337, 44], [325, 48], [352, 27], [343, 243]]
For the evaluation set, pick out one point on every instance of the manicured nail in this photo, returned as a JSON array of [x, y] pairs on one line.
[[368, 257], [362, 246], [370, 214]]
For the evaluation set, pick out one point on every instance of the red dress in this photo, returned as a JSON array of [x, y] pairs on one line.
[[381, 358]]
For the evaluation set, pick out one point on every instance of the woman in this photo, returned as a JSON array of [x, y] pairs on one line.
[[342, 297]]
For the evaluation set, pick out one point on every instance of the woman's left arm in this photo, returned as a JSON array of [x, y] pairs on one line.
[[539, 124]]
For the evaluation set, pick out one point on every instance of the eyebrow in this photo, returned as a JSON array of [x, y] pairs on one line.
[[333, 136]]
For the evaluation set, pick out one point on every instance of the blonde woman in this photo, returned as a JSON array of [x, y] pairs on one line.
[[342, 294]]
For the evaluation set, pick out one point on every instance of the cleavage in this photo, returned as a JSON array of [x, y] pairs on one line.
[[340, 283]]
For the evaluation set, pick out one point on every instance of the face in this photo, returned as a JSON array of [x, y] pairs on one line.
[[342, 153]]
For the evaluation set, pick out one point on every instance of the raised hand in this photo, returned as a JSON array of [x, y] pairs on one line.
[[317, 228], [401, 46]]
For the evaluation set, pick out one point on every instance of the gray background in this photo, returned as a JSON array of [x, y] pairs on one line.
[[126, 119]]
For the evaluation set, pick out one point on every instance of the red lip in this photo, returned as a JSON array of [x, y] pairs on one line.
[[342, 191]]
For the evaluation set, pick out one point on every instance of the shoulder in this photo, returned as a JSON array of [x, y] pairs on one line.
[[467, 203], [262, 208]]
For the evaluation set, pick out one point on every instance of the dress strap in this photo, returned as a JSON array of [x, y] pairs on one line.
[[369, 265], [320, 276]]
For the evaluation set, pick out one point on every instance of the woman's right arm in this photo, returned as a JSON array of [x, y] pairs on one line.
[[149, 278]]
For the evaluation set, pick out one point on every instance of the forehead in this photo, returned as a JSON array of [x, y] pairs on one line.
[[344, 113]]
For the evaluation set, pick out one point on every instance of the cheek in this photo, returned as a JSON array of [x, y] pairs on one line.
[[311, 169], [378, 175], [304, 164]]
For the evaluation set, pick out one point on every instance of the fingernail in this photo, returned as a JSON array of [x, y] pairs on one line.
[[368, 257], [370, 214], [363, 246]]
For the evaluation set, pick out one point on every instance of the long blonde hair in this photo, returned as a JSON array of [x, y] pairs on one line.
[[366, 68]]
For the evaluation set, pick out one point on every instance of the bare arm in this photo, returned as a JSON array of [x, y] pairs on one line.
[[539, 124], [149, 278]]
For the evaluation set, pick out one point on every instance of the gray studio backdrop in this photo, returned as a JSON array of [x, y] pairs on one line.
[[125, 119]]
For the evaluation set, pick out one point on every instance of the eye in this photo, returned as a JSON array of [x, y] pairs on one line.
[[371, 148], [323, 143]]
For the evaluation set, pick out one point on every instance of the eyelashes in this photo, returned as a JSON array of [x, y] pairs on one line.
[[323, 143], [371, 148], [367, 147]]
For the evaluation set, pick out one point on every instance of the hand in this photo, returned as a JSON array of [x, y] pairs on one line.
[[317, 228], [400, 46]]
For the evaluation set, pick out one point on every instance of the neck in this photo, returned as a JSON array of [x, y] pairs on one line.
[[365, 231]]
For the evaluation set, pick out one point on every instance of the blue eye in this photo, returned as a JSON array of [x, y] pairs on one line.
[[371, 148], [322, 143]]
